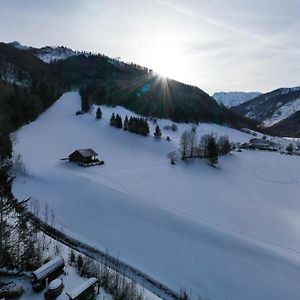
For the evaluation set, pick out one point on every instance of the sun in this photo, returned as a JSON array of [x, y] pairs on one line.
[[164, 57]]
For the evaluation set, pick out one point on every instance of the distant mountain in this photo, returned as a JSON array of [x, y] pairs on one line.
[[272, 107], [230, 99], [101, 79]]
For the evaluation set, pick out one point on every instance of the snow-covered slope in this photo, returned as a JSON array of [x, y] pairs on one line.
[[49, 54], [229, 233], [230, 99], [16, 44], [283, 112]]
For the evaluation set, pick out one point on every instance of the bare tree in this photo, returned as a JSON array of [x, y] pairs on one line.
[[18, 166], [52, 217], [184, 144], [224, 145], [173, 156], [46, 213], [35, 206], [192, 137]]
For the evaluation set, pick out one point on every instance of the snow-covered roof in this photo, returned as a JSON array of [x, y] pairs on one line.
[[81, 288], [49, 267], [56, 283], [87, 152]]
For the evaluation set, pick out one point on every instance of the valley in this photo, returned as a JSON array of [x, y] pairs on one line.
[[230, 232]]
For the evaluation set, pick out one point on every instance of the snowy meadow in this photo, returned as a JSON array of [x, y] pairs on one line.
[[231, 232]]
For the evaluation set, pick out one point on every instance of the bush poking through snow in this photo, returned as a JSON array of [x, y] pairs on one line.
[[112, 282], [172, 127], [290, 148], [224, 145], [184, 295], [173, 156]]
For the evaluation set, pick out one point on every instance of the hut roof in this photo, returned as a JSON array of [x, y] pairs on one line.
[[87, 152], [81, 288], [49, 267]]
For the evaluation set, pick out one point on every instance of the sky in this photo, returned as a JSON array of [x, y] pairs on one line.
[[218, 45]]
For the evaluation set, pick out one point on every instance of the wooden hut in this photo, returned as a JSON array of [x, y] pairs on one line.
[[84, 156]]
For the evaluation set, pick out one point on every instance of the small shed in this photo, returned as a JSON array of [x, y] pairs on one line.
[[84, 156], [84, 291], [50, 270]]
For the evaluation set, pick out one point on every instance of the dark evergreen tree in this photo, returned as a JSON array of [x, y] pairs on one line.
[[157, 132], [212, 151], [113, 119], [79, 262], [5, 145], [85, 103], [98, 113], [126, 123], [118, 122]]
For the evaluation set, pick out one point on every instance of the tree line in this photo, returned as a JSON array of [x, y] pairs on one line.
[[132, 124], [208, 147]]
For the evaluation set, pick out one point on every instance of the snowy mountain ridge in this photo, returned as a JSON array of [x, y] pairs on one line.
[[49, 53], [230, 99], [283, 112], [274, 107]]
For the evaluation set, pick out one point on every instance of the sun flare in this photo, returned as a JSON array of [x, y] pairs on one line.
[[164, 57]]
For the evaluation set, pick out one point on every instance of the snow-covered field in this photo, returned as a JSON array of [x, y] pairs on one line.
[[227, 233]]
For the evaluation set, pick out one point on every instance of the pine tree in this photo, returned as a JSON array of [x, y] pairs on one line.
[[118, 123], [85, 104], [112, 119], [212, 150], [79, 262], [126, 123], [157, 132], [98, 113]]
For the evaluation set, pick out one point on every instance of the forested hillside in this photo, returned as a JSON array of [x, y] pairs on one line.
[[278, 111], [104, 80], [28, 86]]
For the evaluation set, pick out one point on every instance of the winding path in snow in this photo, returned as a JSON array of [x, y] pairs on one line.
[[113, 263]]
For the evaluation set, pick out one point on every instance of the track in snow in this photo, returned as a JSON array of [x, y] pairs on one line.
[[126, 270]]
